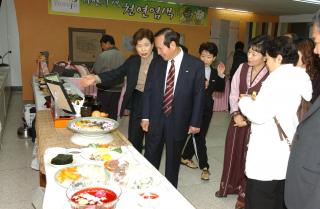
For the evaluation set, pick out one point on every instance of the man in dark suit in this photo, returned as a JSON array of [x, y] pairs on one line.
[[302, 186], [173, 102]]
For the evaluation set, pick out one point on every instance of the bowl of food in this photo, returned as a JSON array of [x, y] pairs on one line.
[[93, 125], [93, 195]]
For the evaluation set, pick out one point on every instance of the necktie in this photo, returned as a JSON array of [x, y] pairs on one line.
[[168, 94]]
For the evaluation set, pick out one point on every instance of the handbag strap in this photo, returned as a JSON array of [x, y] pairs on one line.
[[282, 134]]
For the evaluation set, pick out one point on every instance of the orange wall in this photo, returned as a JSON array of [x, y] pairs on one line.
[[243, 18], [40, 31]]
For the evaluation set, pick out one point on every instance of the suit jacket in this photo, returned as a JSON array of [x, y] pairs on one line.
[[129, 68], [216, 83], [188, 101], [302, 189]]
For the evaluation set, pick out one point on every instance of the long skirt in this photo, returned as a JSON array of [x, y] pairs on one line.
[[221, 99], [233, 179]]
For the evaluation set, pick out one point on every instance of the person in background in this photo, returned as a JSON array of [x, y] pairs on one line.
[[135, 68], [173, 102], [302, 185], [109, 93], [309, 61], [183, 47], [214, 82], [293, 36], [247, 79], [273, 116], [239, 57]]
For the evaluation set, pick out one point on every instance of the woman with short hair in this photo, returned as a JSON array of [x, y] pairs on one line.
[[135, 69], [273, 117]]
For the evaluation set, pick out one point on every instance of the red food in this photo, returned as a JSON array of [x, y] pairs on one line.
[[101, 196], [150, 195]]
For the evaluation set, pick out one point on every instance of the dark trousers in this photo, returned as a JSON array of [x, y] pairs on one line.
[[154, 147], [265, 194], [135, 132], [200, 139], [109, 102]]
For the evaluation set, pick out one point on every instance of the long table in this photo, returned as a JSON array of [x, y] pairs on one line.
[[50, 138]]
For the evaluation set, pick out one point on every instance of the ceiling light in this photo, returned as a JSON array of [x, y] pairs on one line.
[[309, 1], [233, 10]]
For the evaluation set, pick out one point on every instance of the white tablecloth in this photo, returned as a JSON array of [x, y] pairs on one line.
[[169, 198]]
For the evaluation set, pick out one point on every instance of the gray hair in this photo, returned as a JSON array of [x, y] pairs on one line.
[[316, 19]]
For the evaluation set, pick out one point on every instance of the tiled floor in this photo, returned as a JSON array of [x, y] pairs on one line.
[[18, 182]]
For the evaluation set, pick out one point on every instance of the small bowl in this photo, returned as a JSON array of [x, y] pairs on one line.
[[98, 190]]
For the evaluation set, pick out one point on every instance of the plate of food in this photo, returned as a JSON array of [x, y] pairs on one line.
[[61, 157], [62, 160], [93, 125], [89, 172], [101, 154], [141, 179]]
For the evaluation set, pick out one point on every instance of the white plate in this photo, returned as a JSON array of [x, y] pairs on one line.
[[53, 152], [88, 172], [74, 162], [100, 154], [141, 178]]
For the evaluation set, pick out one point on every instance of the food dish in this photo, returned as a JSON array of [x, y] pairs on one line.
[[54, 151], [101, 154], [141, 180], [62, 159], [93, 195], [93, 125], [88, 172]]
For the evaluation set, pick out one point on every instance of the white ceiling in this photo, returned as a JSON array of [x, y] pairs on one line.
[[271, 7]]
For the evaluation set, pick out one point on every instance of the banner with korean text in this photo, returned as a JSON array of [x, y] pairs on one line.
[[131, 10]]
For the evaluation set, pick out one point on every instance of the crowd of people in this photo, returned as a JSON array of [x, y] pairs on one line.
[[271, 158]]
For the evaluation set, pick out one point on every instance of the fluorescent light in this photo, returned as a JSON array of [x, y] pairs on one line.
[[233, 10], [309, 1]]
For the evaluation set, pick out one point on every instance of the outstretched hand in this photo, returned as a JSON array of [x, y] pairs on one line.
[[221, 68], [88, 80]]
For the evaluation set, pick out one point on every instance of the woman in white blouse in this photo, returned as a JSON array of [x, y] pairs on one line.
[[279, 98]]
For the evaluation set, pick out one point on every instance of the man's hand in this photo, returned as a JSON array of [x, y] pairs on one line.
[[193, 130], [206, 84], [88, 80], [145, 125]]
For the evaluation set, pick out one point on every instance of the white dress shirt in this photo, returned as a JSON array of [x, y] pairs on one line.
[[177, 63], [207, 72], [280, 96]]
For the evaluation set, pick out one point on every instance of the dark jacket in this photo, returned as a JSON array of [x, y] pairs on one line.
[[302, 188], [129, 68], [188, 100]]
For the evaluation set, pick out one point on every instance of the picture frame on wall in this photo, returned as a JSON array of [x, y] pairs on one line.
[[84, 45]]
